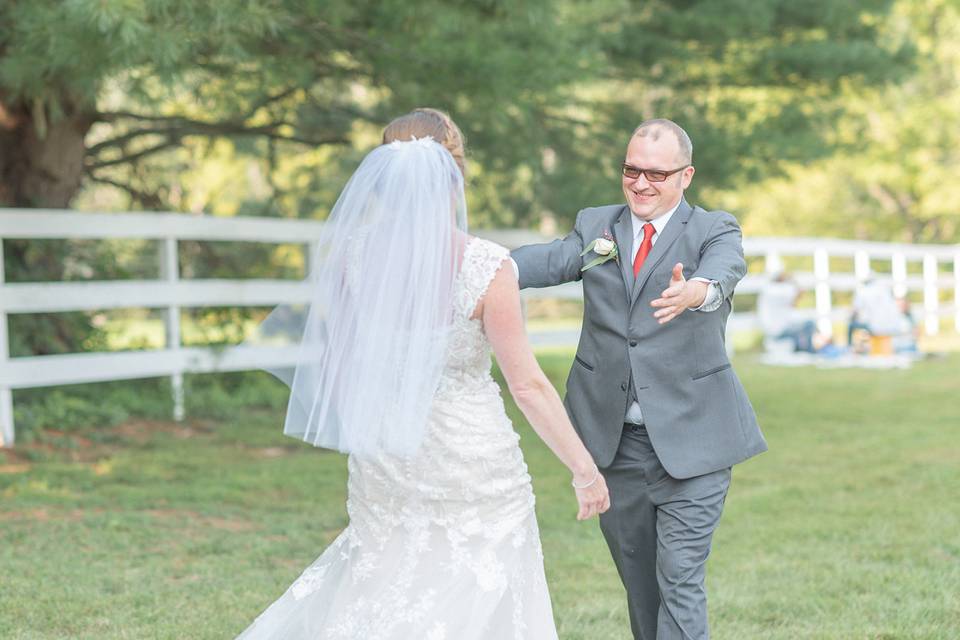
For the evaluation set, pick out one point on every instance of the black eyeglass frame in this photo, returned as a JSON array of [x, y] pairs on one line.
[[660, 174]]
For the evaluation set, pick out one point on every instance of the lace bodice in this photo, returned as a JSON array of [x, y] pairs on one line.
[[468, 351]]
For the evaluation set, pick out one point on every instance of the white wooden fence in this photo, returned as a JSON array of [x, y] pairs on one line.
[[171, 293]]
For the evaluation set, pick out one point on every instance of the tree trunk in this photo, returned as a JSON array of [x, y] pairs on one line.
[[41, 157], [41, 166]]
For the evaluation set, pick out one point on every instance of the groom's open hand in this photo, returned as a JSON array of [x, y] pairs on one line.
[[682, 294]]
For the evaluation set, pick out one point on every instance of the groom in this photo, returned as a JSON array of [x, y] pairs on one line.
[[651, 390]]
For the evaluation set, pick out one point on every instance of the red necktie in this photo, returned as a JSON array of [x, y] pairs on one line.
[[648, 232]]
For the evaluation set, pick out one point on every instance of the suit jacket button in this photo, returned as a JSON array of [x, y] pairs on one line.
[[633, 343], [623, 386]]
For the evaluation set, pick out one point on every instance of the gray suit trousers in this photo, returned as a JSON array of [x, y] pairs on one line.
[[659, 531]]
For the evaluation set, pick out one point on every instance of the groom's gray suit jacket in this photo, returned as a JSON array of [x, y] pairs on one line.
[[696, 412]]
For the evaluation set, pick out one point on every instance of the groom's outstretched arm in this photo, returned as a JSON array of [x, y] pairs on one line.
[[550, 263], [720, 268], [721, 255]]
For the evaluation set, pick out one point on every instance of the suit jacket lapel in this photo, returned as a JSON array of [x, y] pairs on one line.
[[623, 234], [667, 237]]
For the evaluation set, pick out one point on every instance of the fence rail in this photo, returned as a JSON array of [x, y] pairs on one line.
[[170, 293]]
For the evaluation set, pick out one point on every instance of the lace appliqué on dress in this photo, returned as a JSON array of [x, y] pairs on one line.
[[442, 545]]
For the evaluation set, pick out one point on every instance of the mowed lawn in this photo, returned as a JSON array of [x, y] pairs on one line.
[[849, 527]]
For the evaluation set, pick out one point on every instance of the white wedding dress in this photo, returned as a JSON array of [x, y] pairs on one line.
[[442, 546]]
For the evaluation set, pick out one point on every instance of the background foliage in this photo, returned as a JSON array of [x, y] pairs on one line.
[[824, 117], [890, 173], [265, 106]]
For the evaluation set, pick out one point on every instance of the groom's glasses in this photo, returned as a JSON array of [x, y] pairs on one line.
[[652, 175]]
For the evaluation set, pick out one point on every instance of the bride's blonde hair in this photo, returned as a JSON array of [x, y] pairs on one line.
[[424, 122]]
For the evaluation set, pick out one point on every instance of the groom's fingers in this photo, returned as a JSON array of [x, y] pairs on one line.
[[668, 318], [668, 313], [678, 272], [665, 305], [669, 298], [669, 292], [670, 304]]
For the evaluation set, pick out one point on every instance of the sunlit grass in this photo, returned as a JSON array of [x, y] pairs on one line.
[[847, 528]]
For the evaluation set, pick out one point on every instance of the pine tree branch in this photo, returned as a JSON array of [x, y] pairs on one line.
[[267, 100], [146, 199], [124, 139], [114, 116], [134, 157], [182, 127]]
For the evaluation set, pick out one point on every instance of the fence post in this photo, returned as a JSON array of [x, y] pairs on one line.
[[861, 266], [6, 394], [931, 295], [6, 417], [170, 273], [821, 271], [899, 267], [772, 263], [311, 259]]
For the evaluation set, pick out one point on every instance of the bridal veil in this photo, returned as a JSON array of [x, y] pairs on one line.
[[373, 337]]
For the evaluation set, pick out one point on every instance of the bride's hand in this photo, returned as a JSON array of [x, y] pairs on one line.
[[593, 499]]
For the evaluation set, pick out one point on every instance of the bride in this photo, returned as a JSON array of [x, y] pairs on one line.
[[394, 369]]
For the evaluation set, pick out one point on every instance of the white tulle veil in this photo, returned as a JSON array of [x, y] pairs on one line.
[[373, 339]]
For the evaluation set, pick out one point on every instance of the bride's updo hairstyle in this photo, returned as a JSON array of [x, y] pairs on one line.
[[424, 122]]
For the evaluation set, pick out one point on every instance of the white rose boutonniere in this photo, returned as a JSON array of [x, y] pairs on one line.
[[602, 246], [605, 248]]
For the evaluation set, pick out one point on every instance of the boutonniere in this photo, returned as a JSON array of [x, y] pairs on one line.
[[604, 247]]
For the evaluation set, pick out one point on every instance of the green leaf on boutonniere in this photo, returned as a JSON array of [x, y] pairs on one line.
[[613, 255]]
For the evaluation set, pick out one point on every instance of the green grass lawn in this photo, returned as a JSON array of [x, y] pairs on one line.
[[849, 527]]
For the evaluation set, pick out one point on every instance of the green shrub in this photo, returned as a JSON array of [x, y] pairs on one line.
[[89, 406], [227, 395]]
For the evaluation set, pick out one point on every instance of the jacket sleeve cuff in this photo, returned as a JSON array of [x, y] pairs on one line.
[[713, 299]]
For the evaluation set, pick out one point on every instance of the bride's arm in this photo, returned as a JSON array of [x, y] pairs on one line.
[[535, 396]]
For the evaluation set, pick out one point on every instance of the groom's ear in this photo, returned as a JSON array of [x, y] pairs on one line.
[[687, 176]]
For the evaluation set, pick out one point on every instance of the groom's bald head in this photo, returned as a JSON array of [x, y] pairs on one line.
[[656, 128]]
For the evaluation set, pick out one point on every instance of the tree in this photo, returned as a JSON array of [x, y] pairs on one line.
[[108, 92], [285, 71], [755, 83], [891, 175], [122, 92]]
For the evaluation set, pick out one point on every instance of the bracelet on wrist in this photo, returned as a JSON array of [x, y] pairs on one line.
[[596, 474]]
